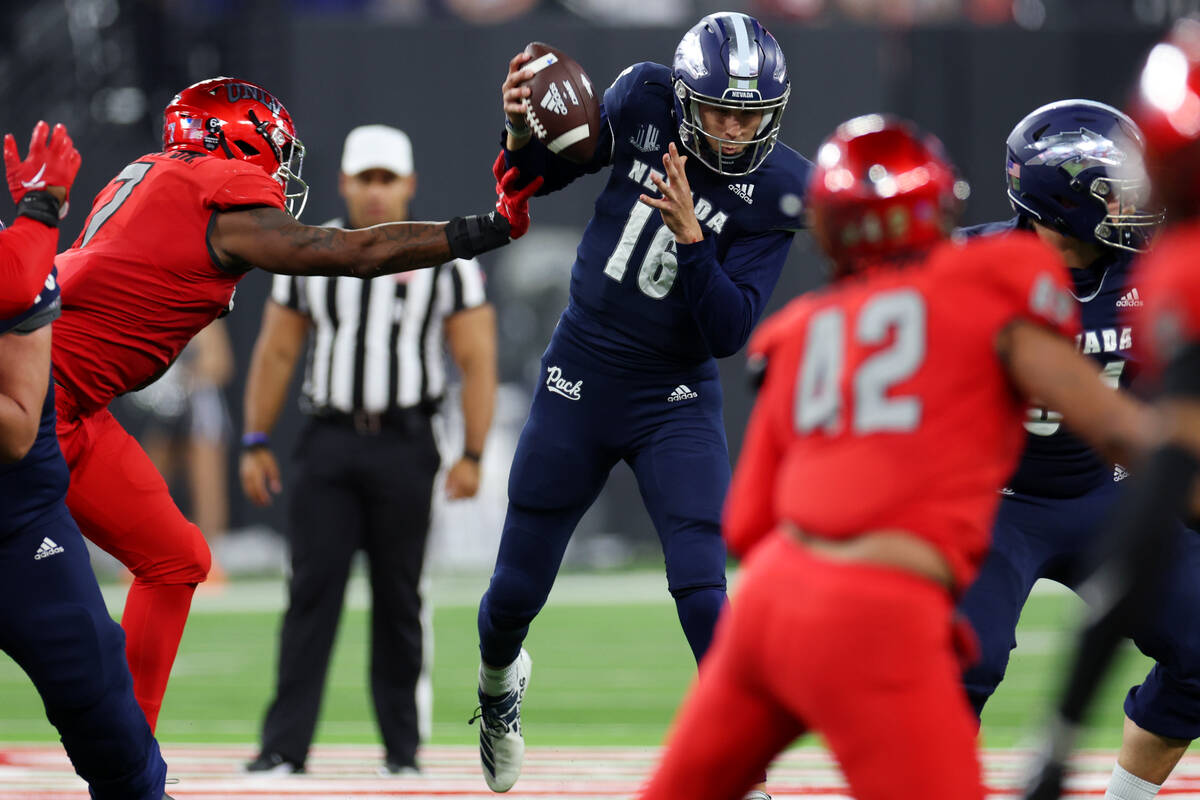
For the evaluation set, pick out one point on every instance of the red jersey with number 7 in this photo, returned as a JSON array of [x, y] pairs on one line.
[[140, 281], [885, 405]]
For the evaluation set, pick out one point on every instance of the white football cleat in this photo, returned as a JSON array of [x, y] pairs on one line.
[[501, 745]]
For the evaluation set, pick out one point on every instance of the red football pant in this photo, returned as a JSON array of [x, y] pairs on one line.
[[859, 653], [122, 504]]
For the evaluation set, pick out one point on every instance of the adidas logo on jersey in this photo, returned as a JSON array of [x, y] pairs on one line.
[[553, 101], [1131, 299], [744, 191], [682, 392], [47, 548], [1119, 473]]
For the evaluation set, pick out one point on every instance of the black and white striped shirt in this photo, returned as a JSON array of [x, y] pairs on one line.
[[378, 344]]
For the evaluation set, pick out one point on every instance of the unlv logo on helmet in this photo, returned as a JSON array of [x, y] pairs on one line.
[[237, 90]]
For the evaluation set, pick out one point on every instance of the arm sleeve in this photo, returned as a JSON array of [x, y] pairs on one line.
[[727, 298], [26, 258], [750, 508]]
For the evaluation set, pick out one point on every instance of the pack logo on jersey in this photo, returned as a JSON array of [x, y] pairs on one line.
[[682, 392], [553, 101], [646, 139], [1130, 299], [743, 190], [556, 383], [1119, 473], [47, 548]]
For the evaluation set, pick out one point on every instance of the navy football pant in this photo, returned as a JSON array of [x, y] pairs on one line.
[[575, 434], [53, 623], [1058, 538]]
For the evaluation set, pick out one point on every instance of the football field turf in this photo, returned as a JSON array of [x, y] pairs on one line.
[[609, 667]]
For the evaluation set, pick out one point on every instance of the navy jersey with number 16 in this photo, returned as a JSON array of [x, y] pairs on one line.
[[640, 301]]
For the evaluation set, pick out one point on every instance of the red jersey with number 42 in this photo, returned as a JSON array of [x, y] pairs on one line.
[[886, 406], [1168, 278], [140, 280]]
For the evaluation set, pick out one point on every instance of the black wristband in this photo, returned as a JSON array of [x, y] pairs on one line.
[[472, 455], [40, 206], [470, 236]]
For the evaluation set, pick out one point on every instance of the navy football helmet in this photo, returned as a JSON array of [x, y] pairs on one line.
[[1076, 166], [730, 61]]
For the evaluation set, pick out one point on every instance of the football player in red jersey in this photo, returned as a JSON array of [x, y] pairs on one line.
[[166, 242], [1167, 109], [889, 416]]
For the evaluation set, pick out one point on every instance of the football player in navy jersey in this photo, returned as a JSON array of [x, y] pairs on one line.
[[684, 248], [53, 621], [1075, 177]]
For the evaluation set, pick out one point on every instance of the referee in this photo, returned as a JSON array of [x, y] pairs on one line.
[[366, 459]]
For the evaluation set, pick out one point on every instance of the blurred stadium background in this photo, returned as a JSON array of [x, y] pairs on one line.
[[966, 69]]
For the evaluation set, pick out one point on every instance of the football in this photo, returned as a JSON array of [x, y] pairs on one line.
[[563, 109]]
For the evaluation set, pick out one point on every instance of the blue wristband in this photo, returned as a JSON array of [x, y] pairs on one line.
[[255, 439]]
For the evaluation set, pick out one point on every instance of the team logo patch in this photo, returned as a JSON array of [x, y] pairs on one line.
[[1119, 473], [556, 383], [47, 548], [1130, 299], [744, 191], [646, 139], [682, 392]]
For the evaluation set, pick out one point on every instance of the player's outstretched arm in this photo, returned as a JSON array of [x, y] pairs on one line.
[[1047, 368], [271, 239]]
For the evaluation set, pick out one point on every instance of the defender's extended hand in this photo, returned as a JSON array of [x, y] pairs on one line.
[[49, 166], [513, 203], [678, 212]]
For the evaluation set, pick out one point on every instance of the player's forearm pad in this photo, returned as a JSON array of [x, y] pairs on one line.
[[40, 206], [470, 236]]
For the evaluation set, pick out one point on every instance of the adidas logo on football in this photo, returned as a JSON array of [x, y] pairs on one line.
[[1131, 299], [744, 191], [682, 392], [553, 101], [1119, 473], [47, 548]]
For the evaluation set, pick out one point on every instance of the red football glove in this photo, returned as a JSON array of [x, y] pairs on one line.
[[49, 163], [511, 202]]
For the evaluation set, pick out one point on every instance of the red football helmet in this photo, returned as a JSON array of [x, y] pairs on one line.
[[881, 190], [238, 119], [1167, 109]]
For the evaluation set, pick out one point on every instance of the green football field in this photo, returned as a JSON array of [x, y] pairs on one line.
[[610, 666]]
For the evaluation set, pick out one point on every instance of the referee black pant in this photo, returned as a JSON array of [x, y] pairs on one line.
[[355, 489]]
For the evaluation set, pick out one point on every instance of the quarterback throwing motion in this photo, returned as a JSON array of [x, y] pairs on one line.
[[685, 246]]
